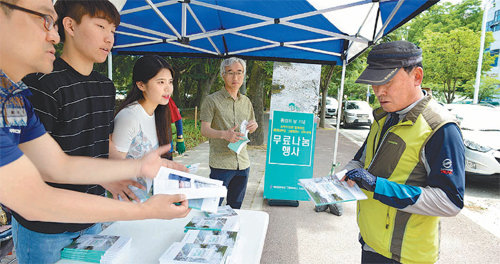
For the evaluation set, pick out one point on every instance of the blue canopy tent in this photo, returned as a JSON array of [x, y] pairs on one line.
[[306, 31]]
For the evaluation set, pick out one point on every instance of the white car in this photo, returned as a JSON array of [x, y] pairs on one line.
[[331, 107], [481, 132], [357, 113]]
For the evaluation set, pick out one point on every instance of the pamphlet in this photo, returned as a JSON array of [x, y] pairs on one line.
[[193, 168], [225, 238], [189, 253], [143, 195], [212, 239], [98, 249], [238, 146], [222, 211], [230, 223], [330, 190], [202, 193]]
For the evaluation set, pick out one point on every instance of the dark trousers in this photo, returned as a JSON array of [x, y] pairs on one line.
[[369, 257], [236, 183]]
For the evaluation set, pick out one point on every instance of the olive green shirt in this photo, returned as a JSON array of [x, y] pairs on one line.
[[223, 112]]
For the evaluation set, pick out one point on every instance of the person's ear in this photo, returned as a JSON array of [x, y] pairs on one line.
[[141, 85], [418, 74], [69, 26]]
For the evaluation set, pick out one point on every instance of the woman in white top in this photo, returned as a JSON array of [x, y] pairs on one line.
[[142, 122]]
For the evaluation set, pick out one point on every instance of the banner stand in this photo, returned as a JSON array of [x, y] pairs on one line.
[[292, 132], [291, 203]]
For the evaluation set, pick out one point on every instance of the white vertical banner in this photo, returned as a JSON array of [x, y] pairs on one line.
[[292, 130], [295, 87]]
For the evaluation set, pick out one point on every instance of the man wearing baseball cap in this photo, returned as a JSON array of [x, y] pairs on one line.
[[411, 165]]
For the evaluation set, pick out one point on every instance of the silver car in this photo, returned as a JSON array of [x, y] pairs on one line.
[[481, 132], [356, 113]]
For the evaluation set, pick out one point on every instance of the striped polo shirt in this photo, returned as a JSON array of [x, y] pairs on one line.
[[78, 112]]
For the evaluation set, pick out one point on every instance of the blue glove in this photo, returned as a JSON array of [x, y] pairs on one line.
[[363, 178]]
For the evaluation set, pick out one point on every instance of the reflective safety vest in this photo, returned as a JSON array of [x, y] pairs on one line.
[[404, 237]]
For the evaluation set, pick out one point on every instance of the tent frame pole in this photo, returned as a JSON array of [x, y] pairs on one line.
[[110, 66], [339, 111]]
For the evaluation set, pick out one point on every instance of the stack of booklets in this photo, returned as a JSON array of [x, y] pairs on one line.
[[98, 249], [225, 219], [240, 144], [202, 193], [330, 190], [143, 195], [211, 239]]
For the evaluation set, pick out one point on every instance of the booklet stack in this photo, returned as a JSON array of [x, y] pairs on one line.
[[225, 219], [143, 195], [202, 193], [238, 145], [330, 190], [211, 239], [98, 249]]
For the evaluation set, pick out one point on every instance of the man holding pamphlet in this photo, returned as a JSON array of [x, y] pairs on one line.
[[411, 165], [221, 114]]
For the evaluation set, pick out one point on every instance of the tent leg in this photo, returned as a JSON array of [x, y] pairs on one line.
[[110, 66], [339, 112]]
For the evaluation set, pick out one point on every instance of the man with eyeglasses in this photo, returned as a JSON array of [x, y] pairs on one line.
[[221, 115], [29, 156]]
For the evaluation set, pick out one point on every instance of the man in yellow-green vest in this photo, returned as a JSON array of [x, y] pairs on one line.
[[411, 166]]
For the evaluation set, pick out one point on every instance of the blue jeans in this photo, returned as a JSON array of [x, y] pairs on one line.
[[236, 183], [39, 248]]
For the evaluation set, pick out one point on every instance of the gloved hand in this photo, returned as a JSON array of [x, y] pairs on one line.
[[363, 178], [179, 146]]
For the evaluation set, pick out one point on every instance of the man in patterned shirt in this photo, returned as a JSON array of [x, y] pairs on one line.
[[221, 114], [29, 156]]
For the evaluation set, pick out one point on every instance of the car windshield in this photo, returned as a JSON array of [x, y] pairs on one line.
[[358, 105], [484, 119], [330, 101]]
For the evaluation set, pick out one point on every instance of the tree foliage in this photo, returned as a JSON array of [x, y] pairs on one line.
[[450, 59], [444, 18], [489, 86]]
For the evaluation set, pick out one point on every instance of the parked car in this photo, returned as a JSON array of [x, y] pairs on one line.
[[331, 107], [121, 94], [481, 132], [356, 113]]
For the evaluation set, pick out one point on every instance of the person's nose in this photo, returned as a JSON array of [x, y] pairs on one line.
[[53, 36], [378, 90], [169, 88], [110, 38]]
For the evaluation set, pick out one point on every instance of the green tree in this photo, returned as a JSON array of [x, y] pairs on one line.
[[352, 90], [444, 18], [326, 77], [255, 92], [489, 86], [450, 59]]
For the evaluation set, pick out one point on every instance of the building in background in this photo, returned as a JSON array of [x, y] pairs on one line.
[[493, 25]]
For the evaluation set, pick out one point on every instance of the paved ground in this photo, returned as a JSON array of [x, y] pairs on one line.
[[300, 235]]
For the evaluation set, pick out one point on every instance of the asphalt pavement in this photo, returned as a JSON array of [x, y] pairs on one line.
[[301, 235]]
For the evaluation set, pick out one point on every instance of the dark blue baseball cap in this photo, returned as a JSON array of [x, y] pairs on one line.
[[385, 60]]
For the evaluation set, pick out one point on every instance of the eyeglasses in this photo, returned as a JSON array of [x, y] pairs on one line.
[[48, 21], [232, 74]]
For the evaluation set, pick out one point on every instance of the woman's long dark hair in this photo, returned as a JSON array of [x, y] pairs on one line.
[[145, 69]]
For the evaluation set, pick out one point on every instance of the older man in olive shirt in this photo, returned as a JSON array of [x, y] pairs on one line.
[[221, 114]]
